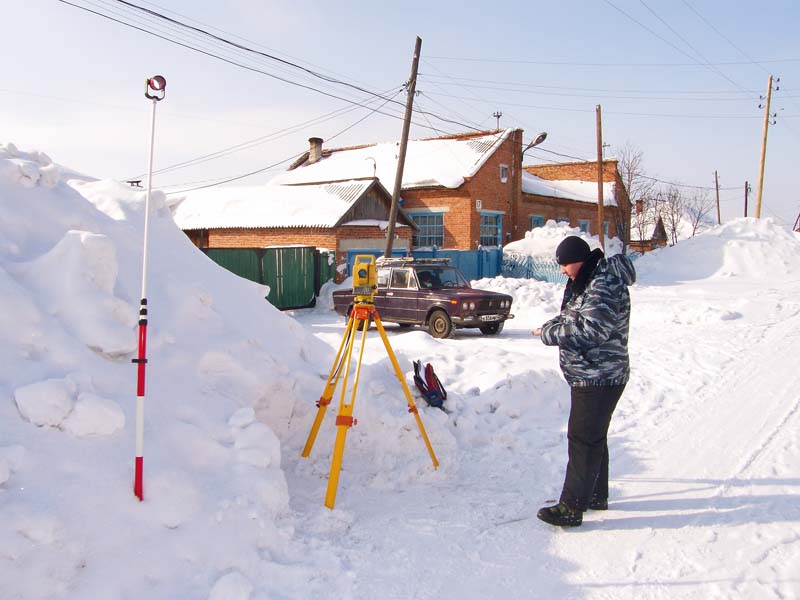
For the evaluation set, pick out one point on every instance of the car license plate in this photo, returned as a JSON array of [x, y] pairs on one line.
[[491, 317]]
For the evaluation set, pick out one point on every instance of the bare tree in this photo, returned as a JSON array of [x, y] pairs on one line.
[[640, 188], [643, 219], [698, 207], [670, 208]]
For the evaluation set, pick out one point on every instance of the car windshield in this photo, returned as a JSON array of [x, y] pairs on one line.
[[437, 278]]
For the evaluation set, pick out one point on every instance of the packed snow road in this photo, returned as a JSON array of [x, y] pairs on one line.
[[704, 453]]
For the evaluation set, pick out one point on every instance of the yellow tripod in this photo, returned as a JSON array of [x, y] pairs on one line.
[[361, 314]]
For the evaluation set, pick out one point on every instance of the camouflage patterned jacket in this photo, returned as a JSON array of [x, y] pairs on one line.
[[592, 329]]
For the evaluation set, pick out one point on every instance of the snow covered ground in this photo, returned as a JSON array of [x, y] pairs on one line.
[[705, 445]]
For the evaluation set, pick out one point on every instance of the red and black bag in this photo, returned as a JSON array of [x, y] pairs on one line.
[[431, 387]]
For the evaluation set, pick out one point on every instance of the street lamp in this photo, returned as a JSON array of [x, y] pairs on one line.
[[539, 139]]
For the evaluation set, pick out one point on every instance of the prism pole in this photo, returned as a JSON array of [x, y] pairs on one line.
[[154, 89]]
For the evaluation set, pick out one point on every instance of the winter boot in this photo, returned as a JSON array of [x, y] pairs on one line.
[[561, 515], [597, 503]]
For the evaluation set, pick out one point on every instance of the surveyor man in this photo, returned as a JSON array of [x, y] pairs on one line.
[[591, 333]]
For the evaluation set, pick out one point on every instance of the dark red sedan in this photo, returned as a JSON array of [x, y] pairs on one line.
[[434, 294]]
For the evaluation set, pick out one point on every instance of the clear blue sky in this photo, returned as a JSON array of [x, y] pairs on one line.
[[679, 79]]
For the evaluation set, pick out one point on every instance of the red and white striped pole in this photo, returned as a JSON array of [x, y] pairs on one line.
[[155, 90]]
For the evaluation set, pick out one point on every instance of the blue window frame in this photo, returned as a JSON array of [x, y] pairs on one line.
[[431, 230], [583, 224], [491, 229], [605, 229], [537, 221]]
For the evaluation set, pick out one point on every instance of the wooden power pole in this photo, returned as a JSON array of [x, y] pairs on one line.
[[716, 186], [600, 212], [401, 158], [763, 149], [746, 191]]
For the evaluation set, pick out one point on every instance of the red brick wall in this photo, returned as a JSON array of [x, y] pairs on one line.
[[462, 221], [580, 171], [552, 208]]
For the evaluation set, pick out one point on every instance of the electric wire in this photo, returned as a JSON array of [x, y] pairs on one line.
[[705, 61], [593, 94], [238, 177], [582, 64], [250, 144], [250, 50]]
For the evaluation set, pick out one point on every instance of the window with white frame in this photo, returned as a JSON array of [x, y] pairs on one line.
[[431, 230], [503, 173], [491, 229]]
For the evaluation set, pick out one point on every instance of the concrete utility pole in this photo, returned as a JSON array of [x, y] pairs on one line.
[[716, 185], [401, 159], [600, 208], [763, 149]]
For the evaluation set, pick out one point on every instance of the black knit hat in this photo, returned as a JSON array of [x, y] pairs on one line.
[[572, 249]]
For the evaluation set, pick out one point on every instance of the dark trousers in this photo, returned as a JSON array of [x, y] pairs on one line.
[[587, 431]]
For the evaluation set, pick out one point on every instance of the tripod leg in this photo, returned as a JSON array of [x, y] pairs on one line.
[[330, 385], [412, 407], [344, 421]]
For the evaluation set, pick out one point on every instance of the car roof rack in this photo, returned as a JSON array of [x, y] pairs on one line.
[[398, 261]]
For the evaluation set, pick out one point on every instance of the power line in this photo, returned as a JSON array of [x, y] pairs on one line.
[[608, 94], [583, 64], [249, 144], [582, 89], [334, 136], [610, 112], [253, 51], [666, 41], [272, 166]]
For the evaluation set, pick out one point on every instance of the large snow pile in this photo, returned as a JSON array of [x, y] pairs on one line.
[[742, 248], [226, 375], [703, 444]]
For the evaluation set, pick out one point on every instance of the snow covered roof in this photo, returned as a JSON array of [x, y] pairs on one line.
[[444, 162], [582, 191], [319, 205]]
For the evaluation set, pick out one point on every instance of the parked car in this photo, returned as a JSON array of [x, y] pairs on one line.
[[431, 293]]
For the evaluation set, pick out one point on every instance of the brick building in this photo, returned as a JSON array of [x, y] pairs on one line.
[[568, 192], [458, 192], [336, 215]]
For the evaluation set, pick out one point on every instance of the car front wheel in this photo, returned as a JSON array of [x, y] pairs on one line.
[[440, 325], [492, 328]]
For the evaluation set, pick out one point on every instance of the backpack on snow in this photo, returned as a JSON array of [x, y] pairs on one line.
[[432, 389]]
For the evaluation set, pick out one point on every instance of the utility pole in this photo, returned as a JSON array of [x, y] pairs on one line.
[[763, 148], [746, 191], [401, 159], [716, 185], [497, 115], [600, 212]]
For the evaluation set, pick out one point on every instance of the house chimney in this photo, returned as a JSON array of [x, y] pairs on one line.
[[315, 150]]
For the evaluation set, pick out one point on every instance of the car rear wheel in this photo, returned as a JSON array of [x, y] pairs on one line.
[[492, 328], [440, 325]]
